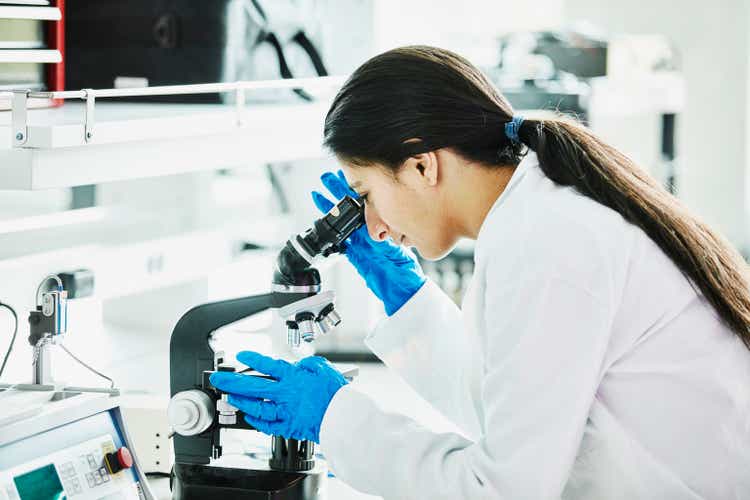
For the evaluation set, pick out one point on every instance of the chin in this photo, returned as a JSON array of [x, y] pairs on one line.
[[432, 253]]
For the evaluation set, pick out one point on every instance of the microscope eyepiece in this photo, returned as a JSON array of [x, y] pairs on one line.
[[328, 232], [325, 237]]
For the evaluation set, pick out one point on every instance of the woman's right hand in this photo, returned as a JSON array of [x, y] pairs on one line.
[[389, 270]]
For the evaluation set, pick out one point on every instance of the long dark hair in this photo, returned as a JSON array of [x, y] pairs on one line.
[[441, 99]]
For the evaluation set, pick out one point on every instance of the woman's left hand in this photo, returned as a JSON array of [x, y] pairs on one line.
[[391, 271], [292, 405]]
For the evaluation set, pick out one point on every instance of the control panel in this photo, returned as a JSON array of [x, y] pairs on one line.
[[93, 469]]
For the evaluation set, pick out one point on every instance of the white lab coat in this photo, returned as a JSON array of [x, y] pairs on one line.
[[582, 365]]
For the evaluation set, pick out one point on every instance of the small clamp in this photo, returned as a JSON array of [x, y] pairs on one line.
[[20, 126], [89, 118]]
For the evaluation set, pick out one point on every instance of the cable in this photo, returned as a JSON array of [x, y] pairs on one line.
[[111, 382], [307, 45], [12, 340], [284, 69]]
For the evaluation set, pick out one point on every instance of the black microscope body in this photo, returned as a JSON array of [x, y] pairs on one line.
[[198, 411]]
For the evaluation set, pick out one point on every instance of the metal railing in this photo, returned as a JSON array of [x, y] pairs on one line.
[[19, 103]]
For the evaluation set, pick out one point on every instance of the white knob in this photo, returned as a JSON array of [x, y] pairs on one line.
[[181, 412], [190, 412]]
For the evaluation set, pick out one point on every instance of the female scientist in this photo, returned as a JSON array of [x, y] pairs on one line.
[[602, 348]]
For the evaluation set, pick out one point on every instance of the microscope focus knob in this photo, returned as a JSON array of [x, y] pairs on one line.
[[190, 412], [118, 460]]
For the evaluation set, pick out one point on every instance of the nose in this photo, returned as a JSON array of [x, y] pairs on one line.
[[376, 227]]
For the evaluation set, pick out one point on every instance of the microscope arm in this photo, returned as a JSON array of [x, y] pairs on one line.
[[190, 355]]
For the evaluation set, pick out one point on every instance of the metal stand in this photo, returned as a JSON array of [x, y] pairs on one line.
[[42, 362]]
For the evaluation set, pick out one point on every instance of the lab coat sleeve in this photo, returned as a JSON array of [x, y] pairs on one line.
[[548, 316], [425, 337]]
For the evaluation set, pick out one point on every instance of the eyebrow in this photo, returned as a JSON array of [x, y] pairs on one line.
[[355, 184]]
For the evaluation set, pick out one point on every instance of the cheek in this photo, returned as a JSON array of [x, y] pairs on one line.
[[390, 207], [421, 221], [430, 232], [417, 224]]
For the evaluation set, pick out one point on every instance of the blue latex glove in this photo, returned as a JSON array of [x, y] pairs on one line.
[[292, 405], [389, 270]]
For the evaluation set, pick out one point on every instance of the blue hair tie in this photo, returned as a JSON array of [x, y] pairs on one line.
[[511, 128]]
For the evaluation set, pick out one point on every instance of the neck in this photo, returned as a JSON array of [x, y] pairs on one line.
[[478, 188]]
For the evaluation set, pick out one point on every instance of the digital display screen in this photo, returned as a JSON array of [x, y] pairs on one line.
[[40, 484]]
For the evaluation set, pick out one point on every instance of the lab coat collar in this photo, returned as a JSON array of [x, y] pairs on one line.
[[529, 161]]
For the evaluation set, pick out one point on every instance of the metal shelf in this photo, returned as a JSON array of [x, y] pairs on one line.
[[64, 147]]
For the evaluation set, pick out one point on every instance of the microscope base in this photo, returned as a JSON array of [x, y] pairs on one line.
[[189, 482]]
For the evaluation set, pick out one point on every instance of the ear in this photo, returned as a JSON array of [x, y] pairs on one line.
[[422, 169]]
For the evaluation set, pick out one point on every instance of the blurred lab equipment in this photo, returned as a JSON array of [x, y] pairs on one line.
[[198, 412], [626, 88], [58, 440], [146, 43], [48, 324], [78, 283]]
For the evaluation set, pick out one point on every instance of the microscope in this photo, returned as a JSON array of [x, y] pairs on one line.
[[198, 412]]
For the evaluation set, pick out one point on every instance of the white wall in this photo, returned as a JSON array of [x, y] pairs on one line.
[[470, 27], [355, 30], [713, 130]]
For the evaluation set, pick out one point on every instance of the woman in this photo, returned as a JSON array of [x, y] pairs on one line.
[[602, 347]]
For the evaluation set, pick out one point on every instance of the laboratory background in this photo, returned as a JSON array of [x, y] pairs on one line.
[[153, 160]]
